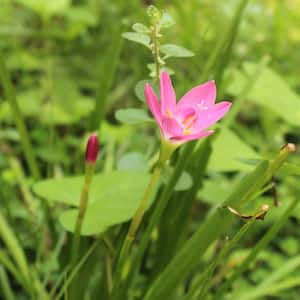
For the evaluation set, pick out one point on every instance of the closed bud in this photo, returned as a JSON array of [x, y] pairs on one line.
[[92, 149]]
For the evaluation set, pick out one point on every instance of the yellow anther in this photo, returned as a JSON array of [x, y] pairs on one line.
[[187, 131], [169, 113]]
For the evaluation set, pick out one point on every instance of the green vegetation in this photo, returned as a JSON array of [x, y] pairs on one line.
[[219, 221]]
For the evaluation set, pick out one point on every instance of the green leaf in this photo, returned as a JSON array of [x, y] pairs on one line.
[[133, 161], [229, 151], [132, 116], [137, 38], [106, 185], [171, 50], [114, 199], [269, 90], [140, 86], [184, 182], [140, 28]]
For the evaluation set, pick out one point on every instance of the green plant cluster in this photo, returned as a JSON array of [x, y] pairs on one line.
[[222, 222]]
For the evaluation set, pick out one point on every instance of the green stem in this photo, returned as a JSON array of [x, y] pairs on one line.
[[136, 221], [162, 202], [120, 273], [10, 95], [155, 50], [84, 198]]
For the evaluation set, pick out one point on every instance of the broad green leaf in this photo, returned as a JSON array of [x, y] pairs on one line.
[[270, 90], [212, 195], [133, 161], [67, 190], [184, 182], [229, 151], [171, 50], [132, 116], [114, 198], [137, 37], [140, 28]]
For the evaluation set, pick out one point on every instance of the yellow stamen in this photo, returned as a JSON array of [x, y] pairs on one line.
[[189, 122], [169, 113], [189, 118], [186, 131]]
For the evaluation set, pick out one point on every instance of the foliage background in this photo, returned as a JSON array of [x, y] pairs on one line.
[[70, 65]]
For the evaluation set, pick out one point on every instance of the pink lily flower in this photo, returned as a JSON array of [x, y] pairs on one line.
[[186, 120]]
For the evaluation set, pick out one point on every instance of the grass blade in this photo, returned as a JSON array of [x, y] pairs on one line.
[[10, 95], [216, 223], [254, 252], [107, 75], [6, 288]]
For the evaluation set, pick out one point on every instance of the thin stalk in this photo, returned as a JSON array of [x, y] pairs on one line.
[[229, 41], [216, 223], [4, 283], [226, 42], [162, 202], [10, 95], [201, 285], [14, 271], [155, 51], [274, 290], [254, 252], [107, 75], [76, 270], [84, 198], [136, 221], [121, 272]]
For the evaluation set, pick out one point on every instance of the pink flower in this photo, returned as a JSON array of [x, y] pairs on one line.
[[186, 120]]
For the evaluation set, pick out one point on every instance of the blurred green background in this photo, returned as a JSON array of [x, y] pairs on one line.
[[70, 65]]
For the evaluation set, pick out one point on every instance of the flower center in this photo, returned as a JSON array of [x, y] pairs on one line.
[[169, 114], [188, 122]]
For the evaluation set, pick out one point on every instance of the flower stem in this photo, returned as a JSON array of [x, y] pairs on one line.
[[10, 95], [120, 273], [162, 202], [84, 198], [155, 49], [136, 221]]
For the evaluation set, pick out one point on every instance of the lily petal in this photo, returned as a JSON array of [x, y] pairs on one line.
[[170, 127], [152, 102], [190, 137], [204, 94], [211, 116], [167, 95]]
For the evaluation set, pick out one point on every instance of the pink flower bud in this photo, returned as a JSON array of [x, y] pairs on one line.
[[92, 149]]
